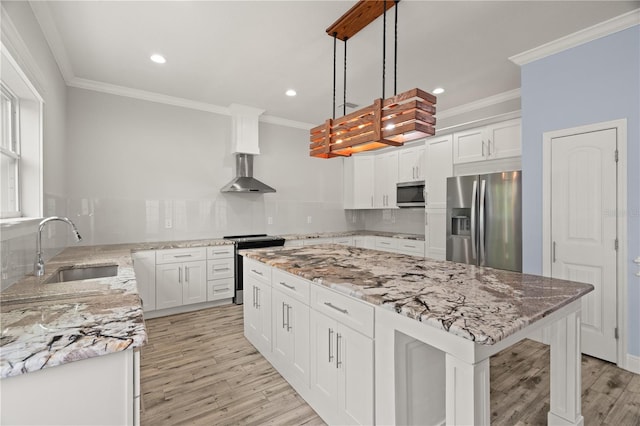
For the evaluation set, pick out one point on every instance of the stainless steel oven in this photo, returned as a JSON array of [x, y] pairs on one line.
[[242, 242], [410, 194]]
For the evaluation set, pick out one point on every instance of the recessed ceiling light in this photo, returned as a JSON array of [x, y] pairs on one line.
[[438, 90], [158, 59], [290, 92]]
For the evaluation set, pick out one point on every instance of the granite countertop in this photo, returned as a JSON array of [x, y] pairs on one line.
[[418, 237], [484, 305], [44, 325]]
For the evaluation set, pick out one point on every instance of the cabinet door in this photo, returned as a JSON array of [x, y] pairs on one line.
[[469, 146], [504, 139], [324, 374], [264, 308], [298, 321], [420, 163], [354, 362], [439, 168], [168, 285], [407, 165], [436, 234], [386, 178], [363, 181], [282, 335], [194, 282], [252, 324], [144, 265]]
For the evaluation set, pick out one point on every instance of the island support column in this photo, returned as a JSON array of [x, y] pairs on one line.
[[468, 394], [566, 380]]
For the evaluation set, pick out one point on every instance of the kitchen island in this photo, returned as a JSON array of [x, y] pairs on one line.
[[431, 326]]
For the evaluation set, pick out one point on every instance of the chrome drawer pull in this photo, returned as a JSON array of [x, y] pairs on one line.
[[182, 255], [221, 252], [330, 355], [290, 287], [256, 272], [221, 269], [338, 362], [344, 311]]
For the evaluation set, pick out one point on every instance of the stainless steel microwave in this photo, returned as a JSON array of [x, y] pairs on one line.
[[410, 194]]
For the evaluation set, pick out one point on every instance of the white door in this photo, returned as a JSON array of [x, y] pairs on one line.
[[324, 374], [354, 361], [168, 286], [194, 287], [363, 181], [583, 230]]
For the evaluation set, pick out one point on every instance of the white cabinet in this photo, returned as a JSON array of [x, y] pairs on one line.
[[411, 165], [346, 241], [364, 241], [257, 304], [294, 243], [410, 247], [386, 178], [341, 359], [180, 282], [314, 241], [290, 310], [436, 233], [439, 168], [495, 141], [386, 244], [220, 272], [359, 182], [144, 266], [102, 390]]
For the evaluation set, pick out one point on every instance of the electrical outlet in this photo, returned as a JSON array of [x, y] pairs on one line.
[[309, 219], [168, 223], [269, 220]]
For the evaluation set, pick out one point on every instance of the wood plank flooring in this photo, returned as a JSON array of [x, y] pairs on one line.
[[199, 369]]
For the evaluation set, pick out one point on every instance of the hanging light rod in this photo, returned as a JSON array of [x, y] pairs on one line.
[[359, 16]]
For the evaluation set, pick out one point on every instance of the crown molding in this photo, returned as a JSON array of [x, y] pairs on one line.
[[286, 122], [479, 104], [17, 48], [583, 36], [52, 36]]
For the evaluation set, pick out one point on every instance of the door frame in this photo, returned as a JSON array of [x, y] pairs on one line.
[[621, 223]]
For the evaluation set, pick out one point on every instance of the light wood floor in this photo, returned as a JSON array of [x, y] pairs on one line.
[[199, 369]]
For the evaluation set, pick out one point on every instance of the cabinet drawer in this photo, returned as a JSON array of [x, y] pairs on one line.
[[293, 243], [220, 289], [388, 244], [411, 246], [295, 287], [222, 268], [257, 270], [221, 252], [347, 241], [180, 255], [348, 311], [314, 241]]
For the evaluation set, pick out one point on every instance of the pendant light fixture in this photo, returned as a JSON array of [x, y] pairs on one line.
[[388, 122]]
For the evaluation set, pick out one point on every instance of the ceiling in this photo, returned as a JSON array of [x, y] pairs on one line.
[[251, 52]]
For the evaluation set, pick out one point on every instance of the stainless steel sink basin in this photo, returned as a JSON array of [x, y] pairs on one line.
[[76, 273]]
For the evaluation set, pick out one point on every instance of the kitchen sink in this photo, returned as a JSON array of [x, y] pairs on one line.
[[76, 273]]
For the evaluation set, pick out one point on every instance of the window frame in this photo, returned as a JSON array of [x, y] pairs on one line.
[[13, 152]]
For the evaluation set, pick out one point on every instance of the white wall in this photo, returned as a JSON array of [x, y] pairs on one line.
[[136, 164], [24, 40]]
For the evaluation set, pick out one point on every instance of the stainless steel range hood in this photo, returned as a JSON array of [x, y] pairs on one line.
[[244, 180]]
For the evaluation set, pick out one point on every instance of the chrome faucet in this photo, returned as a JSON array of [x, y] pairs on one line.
[[39, 266]]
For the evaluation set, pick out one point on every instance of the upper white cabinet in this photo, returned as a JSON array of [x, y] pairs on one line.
[[501, 140], [359, 181], [411, 164], [386, 178], [439, 168]]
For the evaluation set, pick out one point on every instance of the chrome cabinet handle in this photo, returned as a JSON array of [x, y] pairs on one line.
[[257, 298], [483, 148], [553, 251], [256, 272], [488, 147], [338, 362], [186, 274], [179, 274], [290, 287], [283, 324], [288, 318], [181, 255], [330, 351], [221, 269], [344, 311]]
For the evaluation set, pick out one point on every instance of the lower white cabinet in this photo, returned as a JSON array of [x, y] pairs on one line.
[[341, 372], [144, 265], [435, 235], [314, 241], [364, 241], [103, 390], [257, 308], [181, 284]]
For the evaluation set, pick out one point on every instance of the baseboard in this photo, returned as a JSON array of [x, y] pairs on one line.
[[633, 363], [184, 309]]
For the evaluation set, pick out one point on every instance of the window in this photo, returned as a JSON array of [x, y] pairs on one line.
[[9, 155]]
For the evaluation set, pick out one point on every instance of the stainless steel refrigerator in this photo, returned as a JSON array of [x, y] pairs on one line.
[[484, 220]]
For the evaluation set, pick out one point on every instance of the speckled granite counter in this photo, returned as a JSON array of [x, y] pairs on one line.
[[417, 237], [480, 304], [44, 325]]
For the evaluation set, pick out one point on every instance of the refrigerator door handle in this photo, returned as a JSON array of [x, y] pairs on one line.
[[474, 199], [483, 243]]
